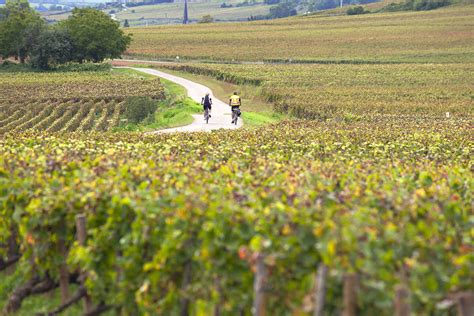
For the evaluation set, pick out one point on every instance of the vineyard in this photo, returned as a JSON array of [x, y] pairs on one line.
[[180, 221], [439, 36], [68, 102], [360, 202], [355, 91]]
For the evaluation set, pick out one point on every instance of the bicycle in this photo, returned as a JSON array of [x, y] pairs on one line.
[[207, 114], [235, 115]]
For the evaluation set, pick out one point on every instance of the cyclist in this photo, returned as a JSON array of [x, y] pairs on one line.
[[206, 102], [235, 102]]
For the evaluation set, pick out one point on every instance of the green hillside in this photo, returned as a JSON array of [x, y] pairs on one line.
[[442, 35], [172, 13], [168, 13]]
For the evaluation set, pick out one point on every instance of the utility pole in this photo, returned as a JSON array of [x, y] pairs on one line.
[[185, 18]]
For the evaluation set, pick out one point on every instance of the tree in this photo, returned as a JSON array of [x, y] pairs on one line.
[[126, 24], [19, 27], [54, 47], [356, 10], [95, 35], [282, 10], [207, 19]]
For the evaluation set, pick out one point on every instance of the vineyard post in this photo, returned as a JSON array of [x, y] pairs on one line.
[[402, 301], [350, 294], [402, 294], [63, 272], [466, 304], [320, 294], [261, 274], [217, 306], [12, 247], [185, 285], [81, 238]]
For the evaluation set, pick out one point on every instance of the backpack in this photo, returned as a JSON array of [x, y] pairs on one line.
[[207, 100]]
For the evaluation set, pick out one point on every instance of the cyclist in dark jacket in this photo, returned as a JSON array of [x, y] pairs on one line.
[[206, 103]]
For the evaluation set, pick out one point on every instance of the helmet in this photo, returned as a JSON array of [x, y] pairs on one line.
[[207, 94], [235, 93]]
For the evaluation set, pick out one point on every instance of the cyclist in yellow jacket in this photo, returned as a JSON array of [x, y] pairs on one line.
[[235, 102]]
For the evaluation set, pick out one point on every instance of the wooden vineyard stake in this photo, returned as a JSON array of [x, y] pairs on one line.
[[185, 303], [13, 248], [350, 295], [402, 301], [465, 304], [217, 306], [63, 272], [320, 294], [81, 238], [261, 274]]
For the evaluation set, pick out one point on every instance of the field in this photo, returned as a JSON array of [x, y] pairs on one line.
[[372, 7], [440, 36], [350, 195], [168, 13], [68, 102], [370, 176], [172, 13]]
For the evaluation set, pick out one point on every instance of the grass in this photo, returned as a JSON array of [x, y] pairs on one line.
[[255, 110], [251, 100], [255, 119], [39, 303], [176, 110]]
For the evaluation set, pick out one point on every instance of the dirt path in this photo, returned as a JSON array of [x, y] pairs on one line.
[[221, 115]]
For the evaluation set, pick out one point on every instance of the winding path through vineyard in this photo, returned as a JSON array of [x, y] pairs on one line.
[[221, 115]]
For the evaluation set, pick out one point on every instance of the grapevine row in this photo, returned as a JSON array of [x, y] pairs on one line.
[[76, 120], [353, 92], [388, 202], [56, 102], [61, 122], [45, 112]]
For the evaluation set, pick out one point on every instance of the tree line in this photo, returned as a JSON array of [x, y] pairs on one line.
[[88, 35]]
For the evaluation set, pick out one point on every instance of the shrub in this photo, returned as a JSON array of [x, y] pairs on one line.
[[139, 108], [207, 19], [356, 10], [416, 5], [429, 4], [76, 67], [8, 66], [282, 10]]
